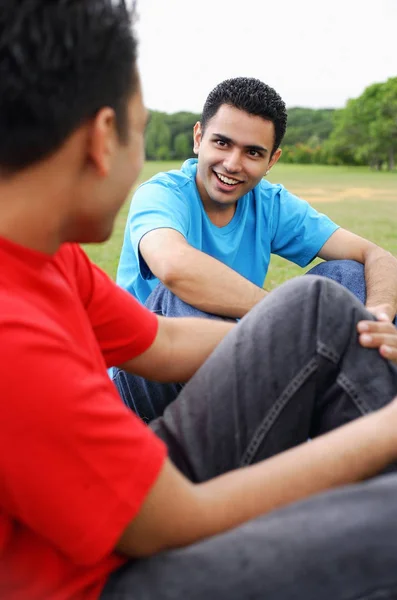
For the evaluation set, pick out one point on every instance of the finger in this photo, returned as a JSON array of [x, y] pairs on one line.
[[375, 340], [376, 327], [383, 317], [388, 352], [381, 312]]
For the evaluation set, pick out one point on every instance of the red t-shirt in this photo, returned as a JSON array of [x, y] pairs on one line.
[[75, 463]]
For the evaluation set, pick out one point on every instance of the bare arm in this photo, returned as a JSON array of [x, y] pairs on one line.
[[179, 349], [196, 277], [380, 268], [177, 512]]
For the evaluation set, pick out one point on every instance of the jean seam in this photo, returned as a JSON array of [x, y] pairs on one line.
[[121, 379], [344, 382], [326, 352], [272, 415]]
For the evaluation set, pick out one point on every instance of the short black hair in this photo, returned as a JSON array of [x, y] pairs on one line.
[[60, 62], [254, 97]]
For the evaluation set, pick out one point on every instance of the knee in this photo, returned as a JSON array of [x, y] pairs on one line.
[[348, 273], [309, 285], [338, 269], [301, 294], [158, 299]]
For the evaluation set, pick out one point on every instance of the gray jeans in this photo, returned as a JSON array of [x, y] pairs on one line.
[[291, 370], [150, 398]]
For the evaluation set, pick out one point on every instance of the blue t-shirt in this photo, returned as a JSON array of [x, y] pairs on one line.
[[267, 220]]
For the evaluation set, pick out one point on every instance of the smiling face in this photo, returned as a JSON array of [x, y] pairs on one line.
[[234, 153]]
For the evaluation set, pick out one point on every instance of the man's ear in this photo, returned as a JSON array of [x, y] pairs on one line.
[[197, 135], [102, 141], [274, 158]]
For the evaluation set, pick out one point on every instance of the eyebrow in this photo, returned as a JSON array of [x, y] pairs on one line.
[[228, 140]]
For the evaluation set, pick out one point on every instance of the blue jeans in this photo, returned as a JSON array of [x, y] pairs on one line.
[[149, 398], [253, 398]]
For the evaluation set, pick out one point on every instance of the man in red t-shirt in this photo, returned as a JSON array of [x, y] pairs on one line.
[[85, 485]]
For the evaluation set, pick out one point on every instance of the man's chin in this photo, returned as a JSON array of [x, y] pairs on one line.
[[103, 236], [224, 199], [97, 235]]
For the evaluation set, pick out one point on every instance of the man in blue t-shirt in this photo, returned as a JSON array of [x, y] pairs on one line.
[[199, 239], [169, 228]]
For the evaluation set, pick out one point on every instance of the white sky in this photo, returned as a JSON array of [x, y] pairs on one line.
[[314, 53]]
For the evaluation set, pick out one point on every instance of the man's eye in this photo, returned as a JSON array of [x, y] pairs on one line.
[[253, 153], [221, 143]]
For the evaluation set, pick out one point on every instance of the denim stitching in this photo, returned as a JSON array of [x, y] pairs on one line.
[[327, 352], [344, 382], [276, 409], [124, 384]]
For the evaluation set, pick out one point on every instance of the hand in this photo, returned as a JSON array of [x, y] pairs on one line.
[[383, 312], [379, 334]]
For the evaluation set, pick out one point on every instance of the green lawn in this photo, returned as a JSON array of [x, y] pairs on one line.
[[356, 198]]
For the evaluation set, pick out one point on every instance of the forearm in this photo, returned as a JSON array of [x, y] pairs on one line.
[[347, 455], [213, 287], [181, 347], [191, 343], [380, 267], [381, 280]]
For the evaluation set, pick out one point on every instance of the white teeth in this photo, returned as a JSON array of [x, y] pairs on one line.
[[227, 179]]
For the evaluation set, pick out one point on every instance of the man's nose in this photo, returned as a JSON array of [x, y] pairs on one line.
[[232, 161]]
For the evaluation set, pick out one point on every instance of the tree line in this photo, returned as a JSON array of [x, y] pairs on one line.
[[364, 132]]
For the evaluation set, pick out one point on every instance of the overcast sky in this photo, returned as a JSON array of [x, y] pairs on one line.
[[314, 53]]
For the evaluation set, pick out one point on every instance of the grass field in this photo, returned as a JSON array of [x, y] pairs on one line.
[[356, 198]]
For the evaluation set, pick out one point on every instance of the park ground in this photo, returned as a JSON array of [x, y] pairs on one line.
[[356, 198]]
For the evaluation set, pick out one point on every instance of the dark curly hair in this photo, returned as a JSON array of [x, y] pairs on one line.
[[60, 62], [252, 96]]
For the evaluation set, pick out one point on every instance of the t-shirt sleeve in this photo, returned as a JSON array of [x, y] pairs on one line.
[[155, 205], [123, 327], [298, 230], [79, 464]]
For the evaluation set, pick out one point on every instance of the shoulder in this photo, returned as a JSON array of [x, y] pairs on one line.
[[265, 190], [28, 331], [76, 268], [176, 181], [269, 195], [276, 195]]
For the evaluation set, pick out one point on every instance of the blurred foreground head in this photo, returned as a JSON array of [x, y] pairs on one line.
[[61, 61], [71, 117]]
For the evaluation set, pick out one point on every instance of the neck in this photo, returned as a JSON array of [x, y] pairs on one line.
[[37, 204], [220, 215], [30, 209]]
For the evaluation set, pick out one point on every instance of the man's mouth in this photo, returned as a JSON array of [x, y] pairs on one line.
[[227, 180]]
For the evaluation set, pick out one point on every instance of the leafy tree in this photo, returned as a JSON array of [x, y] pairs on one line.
[[158, 137], [182, 122], [305, 123], [183, 146], [365, 130], [170, 136], [384, 128]]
